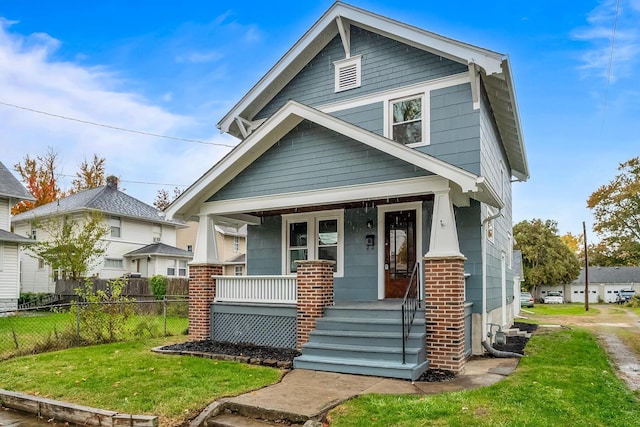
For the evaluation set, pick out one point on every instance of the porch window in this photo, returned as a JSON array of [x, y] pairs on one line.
[[313, 236], [406, 120], [297, 244]]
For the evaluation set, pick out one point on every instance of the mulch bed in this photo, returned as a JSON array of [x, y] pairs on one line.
[[283, 357]]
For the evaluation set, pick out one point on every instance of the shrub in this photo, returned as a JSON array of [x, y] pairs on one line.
[[158, 284]]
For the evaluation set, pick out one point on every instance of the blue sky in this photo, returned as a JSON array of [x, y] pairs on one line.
[[175, 68]]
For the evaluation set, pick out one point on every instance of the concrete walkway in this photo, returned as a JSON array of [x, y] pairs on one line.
[[308, 395]]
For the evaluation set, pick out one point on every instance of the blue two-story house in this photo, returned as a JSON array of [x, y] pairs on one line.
[[374, 173]]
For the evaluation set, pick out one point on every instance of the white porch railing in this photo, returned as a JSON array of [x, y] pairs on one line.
[[256, 289]]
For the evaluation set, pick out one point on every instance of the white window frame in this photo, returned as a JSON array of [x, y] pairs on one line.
[[338, 66], [119, 261], [172, 264], [312, 219], [389, 115], [115, 222], [182, 268], [236, 244], [491, 226], [237, 270]]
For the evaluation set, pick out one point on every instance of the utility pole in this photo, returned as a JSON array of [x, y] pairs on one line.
[[586, 268]]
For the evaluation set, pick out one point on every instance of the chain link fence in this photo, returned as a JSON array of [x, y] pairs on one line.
[[54, 327]]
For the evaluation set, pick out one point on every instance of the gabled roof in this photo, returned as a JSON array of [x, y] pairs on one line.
[[107, 199], [160, 249], [493, 67], [288, 117], [11, 187], [620, 275], [6, 236]]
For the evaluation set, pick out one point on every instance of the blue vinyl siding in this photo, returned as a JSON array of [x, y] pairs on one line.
[[264, 247], [311, 157], [386, 64], [369, 117], [469, 237], [455, 128]]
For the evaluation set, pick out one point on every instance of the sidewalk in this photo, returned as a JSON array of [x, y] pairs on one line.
[[304, 395]]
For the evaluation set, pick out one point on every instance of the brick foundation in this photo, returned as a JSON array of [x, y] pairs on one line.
[[202, 291], [315, 292], [444, 303]]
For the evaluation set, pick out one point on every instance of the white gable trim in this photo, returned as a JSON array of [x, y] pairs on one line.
[[285, 119], [327, 27]]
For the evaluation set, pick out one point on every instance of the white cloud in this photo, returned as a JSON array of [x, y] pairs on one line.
[[597, 59], [31, 77]]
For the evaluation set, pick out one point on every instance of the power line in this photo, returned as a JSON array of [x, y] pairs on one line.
[[134, 182], [87, 122], [613, 39]]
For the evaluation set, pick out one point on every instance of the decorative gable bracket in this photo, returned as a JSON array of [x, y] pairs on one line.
[[246, 126]]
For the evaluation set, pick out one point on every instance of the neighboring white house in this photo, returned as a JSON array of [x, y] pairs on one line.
[[135, 226], [11, 192]]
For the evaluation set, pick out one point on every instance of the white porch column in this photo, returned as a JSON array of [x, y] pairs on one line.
[[206, 248], [444, 235]]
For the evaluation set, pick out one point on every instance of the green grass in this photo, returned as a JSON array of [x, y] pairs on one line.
[[128, 377], [565, 380], [35, 332], [576, 309]]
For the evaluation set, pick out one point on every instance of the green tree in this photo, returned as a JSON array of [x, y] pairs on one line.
[[616, 211], [546, 260], [74, 245]]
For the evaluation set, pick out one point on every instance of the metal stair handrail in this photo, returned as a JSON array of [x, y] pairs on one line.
[[410, 305]]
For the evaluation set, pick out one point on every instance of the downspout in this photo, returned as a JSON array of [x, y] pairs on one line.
[[485, 332]]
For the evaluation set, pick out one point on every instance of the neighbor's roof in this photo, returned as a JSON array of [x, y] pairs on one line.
[[108, 200], [232, 231], [238, 259], [6, 236], [160, 249], [11, 187], [494, 69], [611, 275]]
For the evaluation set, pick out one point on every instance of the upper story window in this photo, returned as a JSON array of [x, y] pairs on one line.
[[157, 233], [348, 73], [236, 244], [34, 232], [406, 120], [115, 223]]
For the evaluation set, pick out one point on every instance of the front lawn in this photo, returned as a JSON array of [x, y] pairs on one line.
[[575, 309], [127, 377], [565, 380]]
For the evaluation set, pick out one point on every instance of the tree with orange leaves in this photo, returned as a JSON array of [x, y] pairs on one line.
[[40, 177], [89, 175]]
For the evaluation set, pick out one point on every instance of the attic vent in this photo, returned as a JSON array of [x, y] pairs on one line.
[[347, 73]]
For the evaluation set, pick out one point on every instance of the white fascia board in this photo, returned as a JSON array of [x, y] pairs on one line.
[[353, 193], [329, 18], [524, 174], [489, 61]]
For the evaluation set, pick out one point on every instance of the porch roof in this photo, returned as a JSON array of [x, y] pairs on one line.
[[463, 183]]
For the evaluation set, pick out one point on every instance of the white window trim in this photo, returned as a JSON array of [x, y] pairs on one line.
[[106, 267], [174, 266], [426, 107], [312, 218], [344, 63]]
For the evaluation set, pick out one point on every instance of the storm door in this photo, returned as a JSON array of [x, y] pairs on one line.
[[400, 251]]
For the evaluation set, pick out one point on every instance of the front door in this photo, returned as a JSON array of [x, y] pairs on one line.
[[400, 251]]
